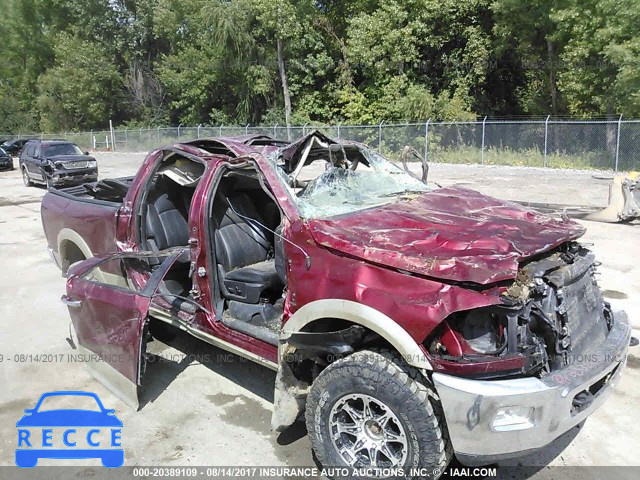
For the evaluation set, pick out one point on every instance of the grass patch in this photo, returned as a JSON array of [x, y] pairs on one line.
[[598, 160]]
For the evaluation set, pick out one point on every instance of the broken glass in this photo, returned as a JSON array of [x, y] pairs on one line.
[[344, 187]]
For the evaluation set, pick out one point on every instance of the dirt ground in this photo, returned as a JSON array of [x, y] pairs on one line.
[[214, 408]]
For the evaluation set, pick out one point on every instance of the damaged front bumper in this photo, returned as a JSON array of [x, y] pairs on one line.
[[492, 420], [63, 177]]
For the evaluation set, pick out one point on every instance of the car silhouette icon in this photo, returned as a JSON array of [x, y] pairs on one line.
[[35, 429]]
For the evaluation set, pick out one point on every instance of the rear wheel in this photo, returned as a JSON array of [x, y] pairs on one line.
[[371, 411], [25, 178]]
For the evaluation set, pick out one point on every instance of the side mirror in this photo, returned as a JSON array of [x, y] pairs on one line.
[[86, 153]]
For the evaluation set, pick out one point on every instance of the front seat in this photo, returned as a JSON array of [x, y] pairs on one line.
[[244, 256], [166, 225]]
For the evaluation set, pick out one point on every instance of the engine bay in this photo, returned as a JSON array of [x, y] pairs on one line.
[[550, 317]]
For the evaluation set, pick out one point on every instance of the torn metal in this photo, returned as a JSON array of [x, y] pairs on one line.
[[551, 317], [449, 233], [407, 152], [338, 190], [354, 178], [367, 207]]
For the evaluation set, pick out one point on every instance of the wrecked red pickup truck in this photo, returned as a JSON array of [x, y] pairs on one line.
[[408, 322]]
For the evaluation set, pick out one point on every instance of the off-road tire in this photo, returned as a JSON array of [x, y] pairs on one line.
[[383, 375]]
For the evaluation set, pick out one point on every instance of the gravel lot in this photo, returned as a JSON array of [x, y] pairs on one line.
[[217, 411]]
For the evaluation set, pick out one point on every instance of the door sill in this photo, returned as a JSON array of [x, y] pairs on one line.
[[211, 339]]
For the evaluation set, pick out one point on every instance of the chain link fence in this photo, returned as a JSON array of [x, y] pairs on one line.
[[581, 144]]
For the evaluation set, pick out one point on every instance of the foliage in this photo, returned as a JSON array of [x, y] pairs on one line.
[[523, 158], [75, 64], [601, 53], [79, 89]]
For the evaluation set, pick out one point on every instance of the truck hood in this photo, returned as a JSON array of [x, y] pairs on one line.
[[451, 234]]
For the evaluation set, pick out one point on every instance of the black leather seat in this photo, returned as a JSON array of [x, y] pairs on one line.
[[166, 225], [246, 268]]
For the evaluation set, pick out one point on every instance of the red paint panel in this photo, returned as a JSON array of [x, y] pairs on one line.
[[416, 303], [109, 323], [95, 223], [513, 363], [450, 233]]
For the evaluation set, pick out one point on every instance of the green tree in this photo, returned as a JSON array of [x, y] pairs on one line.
[[77, 63], [600, 56], [216, 67], [421, 48], [80, 89], [530, 28], [283, 22]]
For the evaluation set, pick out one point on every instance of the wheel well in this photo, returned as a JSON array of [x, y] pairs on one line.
[[307, 353], [326, 325], [343, 337], [70, 253]]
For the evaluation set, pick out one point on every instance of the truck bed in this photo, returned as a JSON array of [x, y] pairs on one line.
[[80, 222], [109, 190]]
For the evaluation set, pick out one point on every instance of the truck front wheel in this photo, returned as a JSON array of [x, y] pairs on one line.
[[370, 411]]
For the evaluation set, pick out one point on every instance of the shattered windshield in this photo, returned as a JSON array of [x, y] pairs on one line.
[[342, 179]]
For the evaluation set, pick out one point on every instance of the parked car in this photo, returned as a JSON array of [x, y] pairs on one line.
[[6, 160], [406, 322], [14, 147], [56, 162]]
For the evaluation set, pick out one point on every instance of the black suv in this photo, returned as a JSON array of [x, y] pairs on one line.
[[14, 147], [56, 162]]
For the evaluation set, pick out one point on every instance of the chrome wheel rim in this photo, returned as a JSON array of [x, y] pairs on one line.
[[366, 433], [25, 176]]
